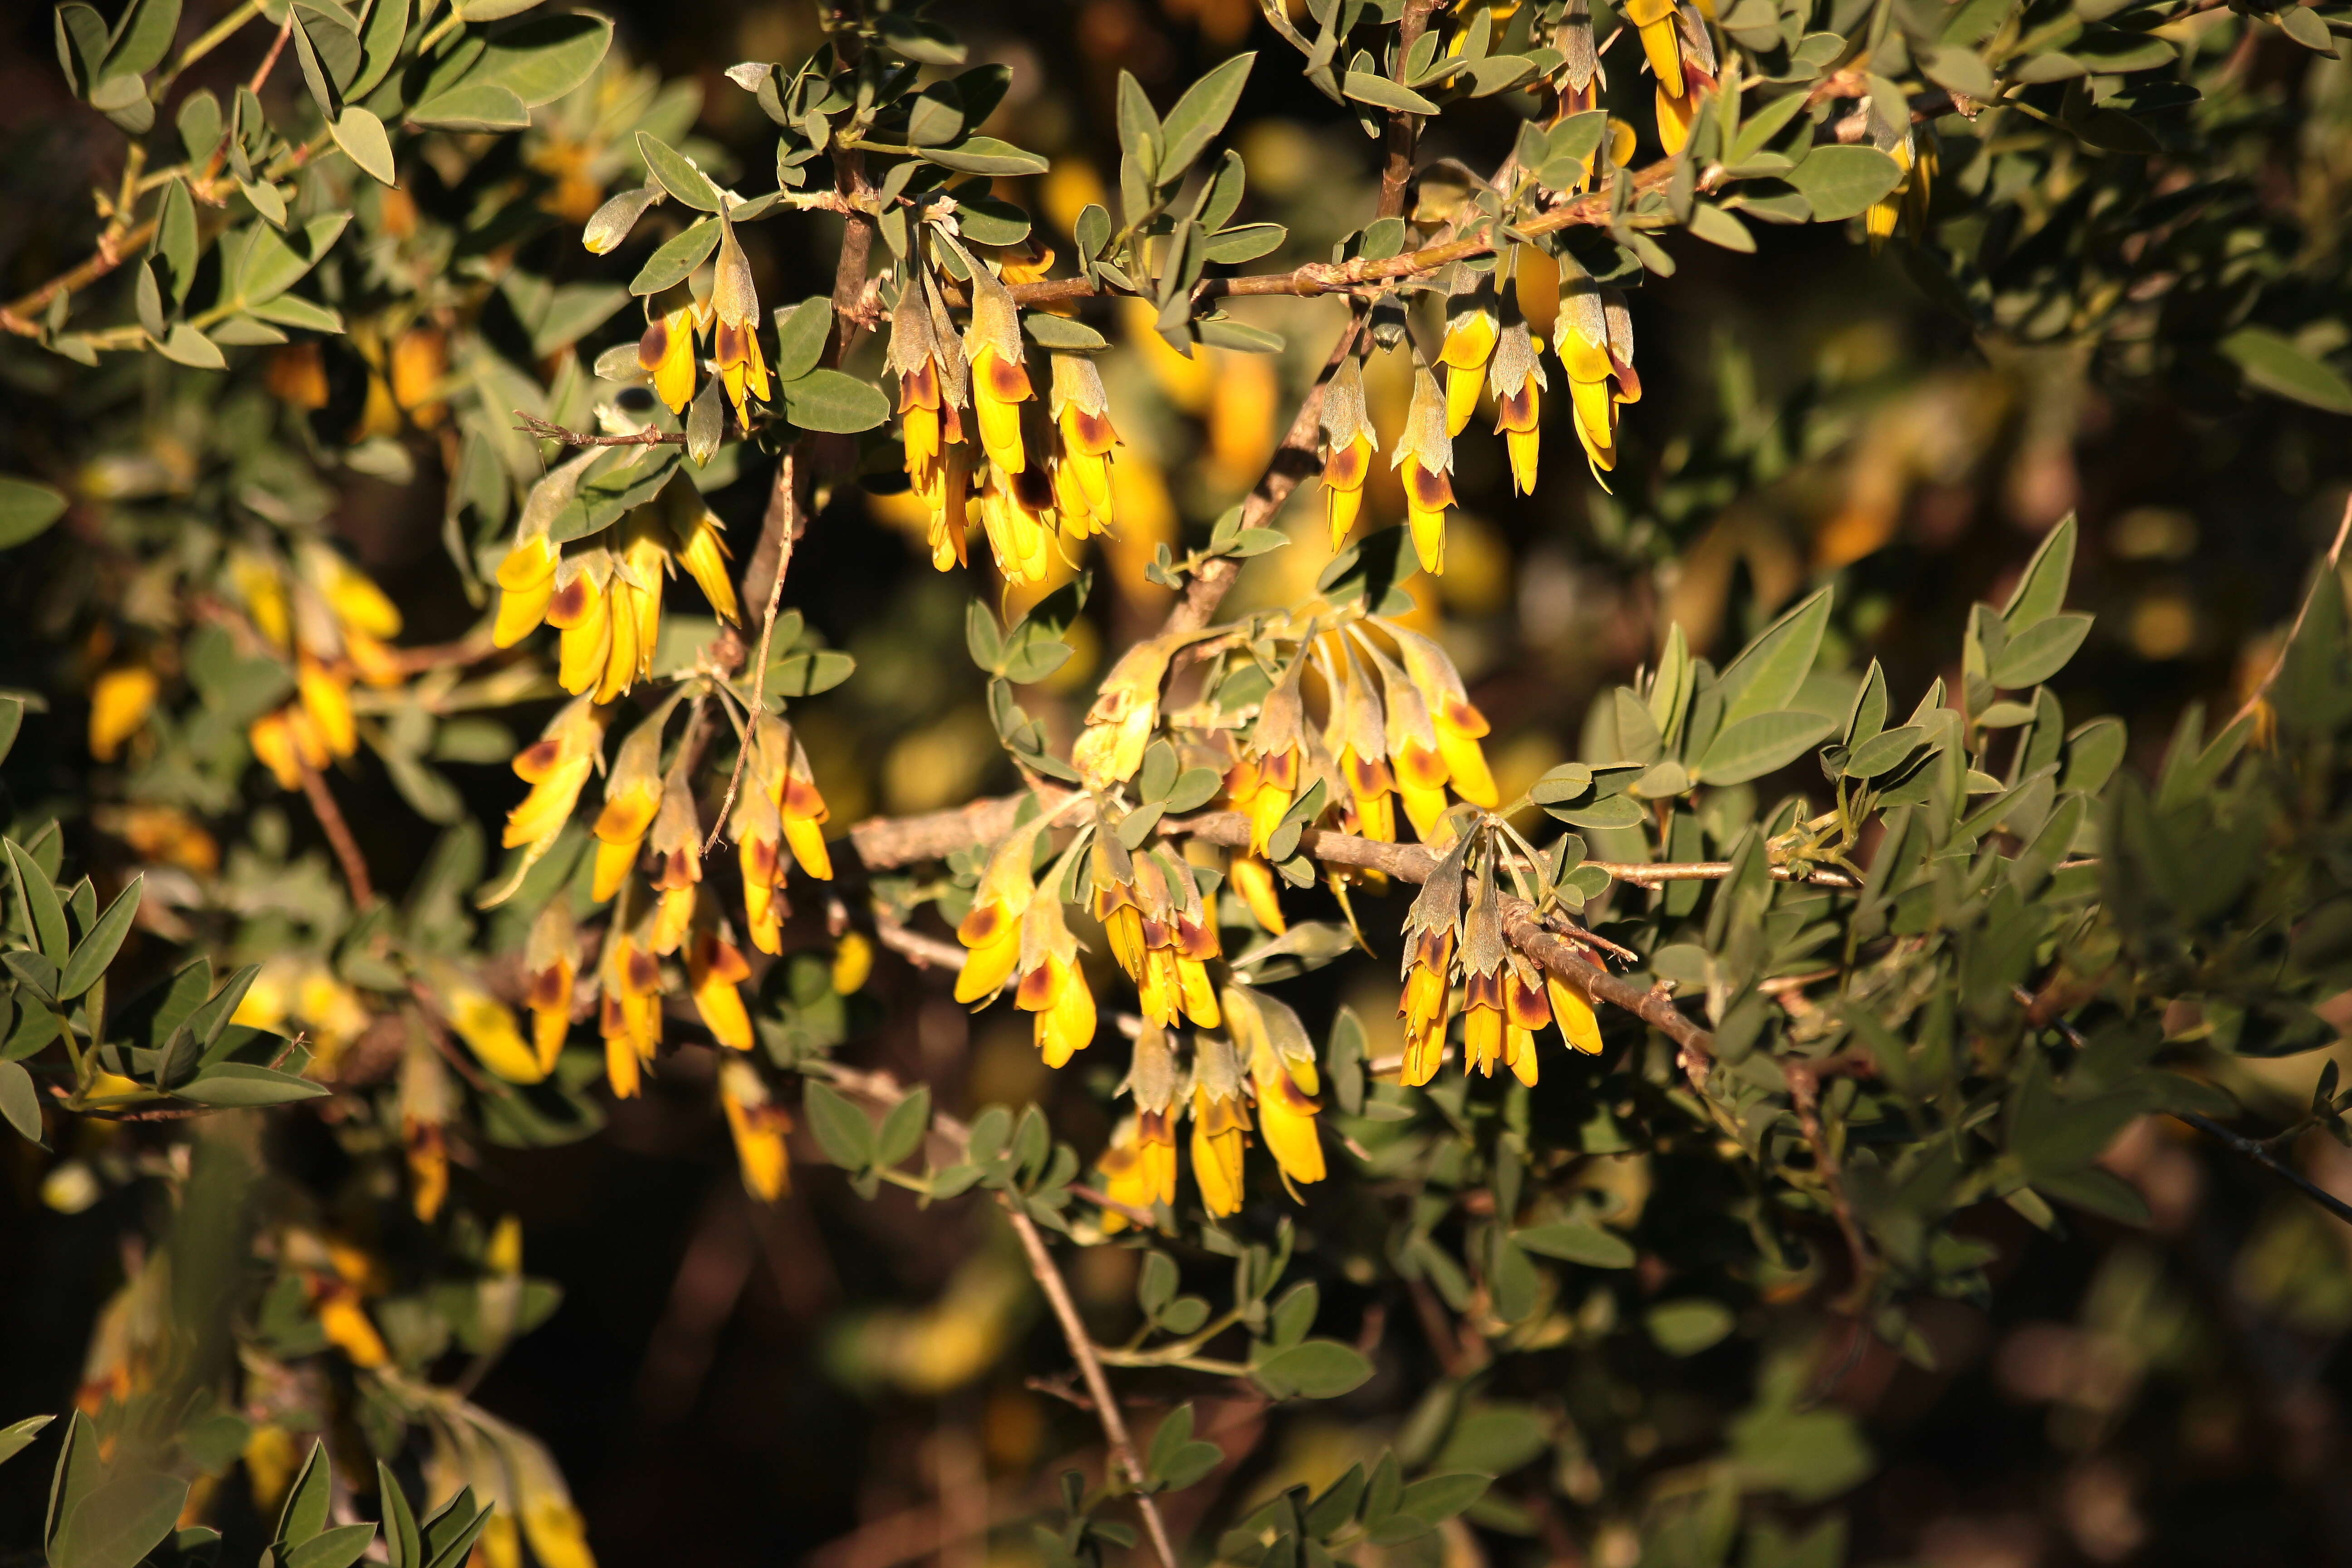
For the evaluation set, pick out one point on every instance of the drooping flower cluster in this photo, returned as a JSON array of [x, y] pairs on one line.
[[321, 615], [1505, 998], [1681, 58], [1039, 473]]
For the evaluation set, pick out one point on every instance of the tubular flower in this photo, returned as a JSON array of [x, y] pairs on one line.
[[1596, 343], [1459, 724], [1016, 510], [934, 387], [1126, 707], [1253, 879], [949, 496], [1525, 1010], [994, 928], [1472, 323], [1517, 378], [853, 964], [700, 546], [527, 577], [1483, 969], [555, 766], [1282, 1070], [1052, 984], [1081, 414], [1164, 944], [1140, 1166], [633, 795], [792, 787], [1357, 737], [1000, 380], [758, 830], [1574, 1015], [120, 700], [640, 560], [283, 742], [1906, 204], [581, 608], [714, 968], [326, 697], [424, 1108], [759, 1126], [1430, 928], [629, 1007], [488, 1027], [1415, 762], [550, 964], [675, 841], [1348, 444], [735, 340], [1265, 781], [1219, 1125], [666, 352], [1425, 453]]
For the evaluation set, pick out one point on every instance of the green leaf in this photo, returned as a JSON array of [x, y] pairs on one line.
[[1686, 1327], [678, 256], [142, 38], [404, 1546], [1757, 746], [802, 332], [473, 106], [987, 156], [98, 947], [16, 1436], [336, 1548], [361, 134], [1245, 242], [1962, 70], [829, 400], [1434, 1500], [1313, 1369], [677, 173], [1718, 226], [304, 1514], [273, 262], [1062, 332], [1139, 127], [842, 1130], [1366, 87], [187, 346], [2041, 590], [1771, 670], [544, 59], [1885, 751], [26, 509], [241, 1083], [903, 1127], [2278, 366], [37, 896], [2039, 652], [119, 1522], [1200, 115], [20, 1106], [1573, 1241], [1841, 183]]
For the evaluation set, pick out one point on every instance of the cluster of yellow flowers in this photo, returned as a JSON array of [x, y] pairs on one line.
[[603, 591], [730, 317], [1040, 474], [1488, 348], [1506, 999]]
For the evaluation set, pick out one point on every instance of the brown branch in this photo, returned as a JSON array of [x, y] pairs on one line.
[[1649, 875], [113, 251], [1074, 1329], [1804, 1092], [884, 842], [2329, 562], [338, 832]]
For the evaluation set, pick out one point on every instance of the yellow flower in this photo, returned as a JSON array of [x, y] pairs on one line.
[[1471, 326], [424, 1107], [1426, 452], [1459, 724], [675, 841], [1052, 984], [488, 1026], [758, 1127], [629, 1008], [758, 831], [700, 546], [1348, 444], [991, 929], [1282, 1070], [1596, 345], [665, 352], [1139, 1168], [120, 700], [1516, 377], [714, 968], [1219, 1125], [1126, 709], [999, 378], [550, 966], [633, 795], [1081, 412], [556, 766], [853, 964], [792, 787], [735, 305], [1574, 1015], [326, 697], [1252, 880], [1428, 932]]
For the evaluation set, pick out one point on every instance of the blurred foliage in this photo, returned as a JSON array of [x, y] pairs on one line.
[[878, 528]]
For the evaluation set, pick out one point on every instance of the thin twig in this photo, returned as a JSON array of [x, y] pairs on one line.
[[649, 436], [2328, 565], [1804, 1092], [338, 832], [1082, 1347]]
